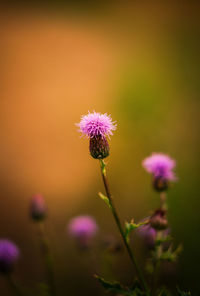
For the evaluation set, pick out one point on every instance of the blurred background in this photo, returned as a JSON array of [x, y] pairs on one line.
[[139, 62]]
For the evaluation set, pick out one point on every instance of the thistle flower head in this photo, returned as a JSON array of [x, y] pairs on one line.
[[82, 229], [9, 254], [38, 208], [96, 124], [160, 166]]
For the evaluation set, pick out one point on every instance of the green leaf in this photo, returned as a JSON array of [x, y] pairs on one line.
[[182, 293], [129, 227], [178, 250], [135, 290], [114, 287], [117, 288], [159, 241], [168, 256], [105, 198], [164, 292], [171, 256]]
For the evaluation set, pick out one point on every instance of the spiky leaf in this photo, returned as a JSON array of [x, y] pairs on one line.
[[117, 288], [129, 227], [182, 293], [114, 287]]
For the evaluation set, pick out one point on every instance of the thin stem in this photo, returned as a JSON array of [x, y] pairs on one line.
[[159, 248], [163, 200], [119, 225], [47, 257], [14, 287]]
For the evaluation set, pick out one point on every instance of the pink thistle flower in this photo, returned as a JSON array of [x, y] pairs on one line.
[[96, 124], [9, 254], [83, 230], [160, 166], [38, 208], [97, 127]]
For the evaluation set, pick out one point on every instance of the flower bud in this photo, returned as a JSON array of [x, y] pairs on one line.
[[99, 147], [9, 254], [159, 220], [160, 184], [38, 208]]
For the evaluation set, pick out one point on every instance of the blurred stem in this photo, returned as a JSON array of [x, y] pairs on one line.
[[119, 225], [14, 287], [158, 253], [163, 200], [47, 257], [159, 248]]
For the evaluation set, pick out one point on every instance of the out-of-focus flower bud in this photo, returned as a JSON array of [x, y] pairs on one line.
[[159, 220], [9, 254], [38, 208], [160, 184]]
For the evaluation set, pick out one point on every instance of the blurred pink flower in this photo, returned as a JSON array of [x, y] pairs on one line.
[[160, 166], [83, 229], [38, 208], [9, 254]]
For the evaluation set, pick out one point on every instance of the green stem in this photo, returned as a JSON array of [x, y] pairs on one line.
[[47, 257], [159, 248], [163, 200], [14, 287], [119, 225], [158, 253]]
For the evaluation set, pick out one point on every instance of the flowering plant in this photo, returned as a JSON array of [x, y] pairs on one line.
[[154, 230]]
